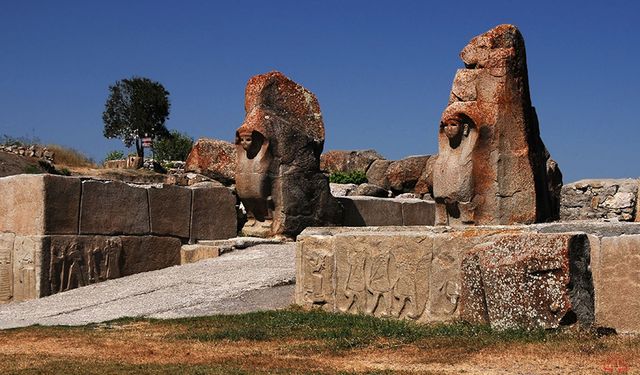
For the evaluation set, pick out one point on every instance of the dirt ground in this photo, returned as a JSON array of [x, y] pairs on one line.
[[141, 343]]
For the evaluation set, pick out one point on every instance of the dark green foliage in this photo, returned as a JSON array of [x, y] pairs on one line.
[[32, 169], [136, 108], [114, 155], [352, 177], [174, 147]]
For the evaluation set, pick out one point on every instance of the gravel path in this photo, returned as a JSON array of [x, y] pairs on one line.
[[257, 278]]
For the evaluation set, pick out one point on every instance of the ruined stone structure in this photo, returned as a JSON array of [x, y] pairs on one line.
[[213, 158], [534, 276], [605, 199], [278, 176], [59, 233], [492, 165]]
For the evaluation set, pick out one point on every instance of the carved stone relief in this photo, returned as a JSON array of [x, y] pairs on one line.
[[6, 266]]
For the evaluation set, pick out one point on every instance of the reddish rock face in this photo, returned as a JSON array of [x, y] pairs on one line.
[[492, 164], [403, 175], [213, 158], [278, 157]]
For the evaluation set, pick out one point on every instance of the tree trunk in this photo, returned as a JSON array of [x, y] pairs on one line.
[[139, 148]]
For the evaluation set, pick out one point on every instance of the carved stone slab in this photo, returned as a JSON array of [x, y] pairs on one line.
[[6, 266], [27, 268], [213, 213]]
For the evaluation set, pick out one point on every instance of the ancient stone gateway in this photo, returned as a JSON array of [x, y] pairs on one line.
[[278, 176], [492, 164]]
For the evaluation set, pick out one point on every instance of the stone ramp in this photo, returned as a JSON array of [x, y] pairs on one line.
[[258, 278]]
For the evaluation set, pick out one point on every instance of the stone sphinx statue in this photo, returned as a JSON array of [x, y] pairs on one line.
[[278, 177], [492, 164]]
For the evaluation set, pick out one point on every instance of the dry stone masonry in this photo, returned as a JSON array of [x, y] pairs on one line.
[[600, 199], [59, 233]]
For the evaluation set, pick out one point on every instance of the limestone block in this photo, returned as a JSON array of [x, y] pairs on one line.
[[618, 283], [148, 253], [213, 213], [27, 267], [170, 210], [197, 252], [113, 207], [418, 212], [6, 266], [370, 211], [528, 281], [39, 204], [315, 271]]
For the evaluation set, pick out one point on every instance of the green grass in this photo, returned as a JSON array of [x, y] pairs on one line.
[[343, 331]]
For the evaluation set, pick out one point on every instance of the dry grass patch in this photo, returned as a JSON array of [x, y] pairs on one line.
[[300, 342]]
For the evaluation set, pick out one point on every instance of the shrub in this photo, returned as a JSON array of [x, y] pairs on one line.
[[352, 177], [176, 146], [114, 155], [32, 169]]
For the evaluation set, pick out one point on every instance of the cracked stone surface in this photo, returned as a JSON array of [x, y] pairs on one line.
[[258, 278]]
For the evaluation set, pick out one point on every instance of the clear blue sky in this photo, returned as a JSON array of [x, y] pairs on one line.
[[382, 70]]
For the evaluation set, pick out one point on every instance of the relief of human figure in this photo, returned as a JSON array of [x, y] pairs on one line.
[[74, 275], [316, 268], [355, 284], [405, 291], [379, 283], [253, 183], [453, 183]]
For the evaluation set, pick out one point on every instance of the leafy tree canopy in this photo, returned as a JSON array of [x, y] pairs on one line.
[[136, 108], [175, 147]]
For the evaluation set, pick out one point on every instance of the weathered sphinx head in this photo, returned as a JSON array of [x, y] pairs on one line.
[[455, 128]]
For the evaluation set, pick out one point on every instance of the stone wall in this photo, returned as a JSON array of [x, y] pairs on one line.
[[536, 276], [370, 211], [59, 233], [600, 199]]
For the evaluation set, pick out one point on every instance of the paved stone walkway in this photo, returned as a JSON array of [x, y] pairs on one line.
[[257, 278]]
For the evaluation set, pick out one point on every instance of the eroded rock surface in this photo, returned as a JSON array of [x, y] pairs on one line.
[[492, 165], [600, 199], [348, 161]]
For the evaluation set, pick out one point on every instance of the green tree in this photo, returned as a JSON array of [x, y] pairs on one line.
[[176, 146], [136, 108]]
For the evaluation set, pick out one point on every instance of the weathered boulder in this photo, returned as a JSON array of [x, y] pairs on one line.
[[599, 199], [369, 190], [278, 146], [377, 173], [213, 158], [347, 161], [528, 281], [492, 164], [341, 190], [403, 175]]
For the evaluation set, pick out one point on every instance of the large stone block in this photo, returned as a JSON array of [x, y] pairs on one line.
[[170, 210], [112, 207], [348, 161], [528, 281], [418, 212], [617, 283], [213, 213], [370, 211], [39, 204], [148, 253], [197, 252]]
